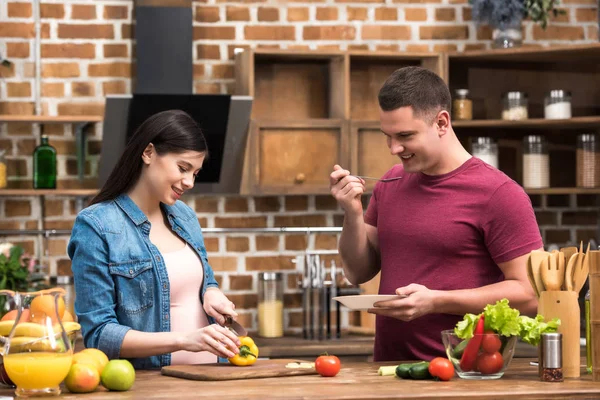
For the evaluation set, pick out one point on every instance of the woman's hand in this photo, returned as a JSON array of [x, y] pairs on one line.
[[216, 304], [214, 339]]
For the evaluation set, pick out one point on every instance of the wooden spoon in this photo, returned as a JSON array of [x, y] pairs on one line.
[[537, 256], [582, 271], [569, 271], [568, 251], [531, 277]]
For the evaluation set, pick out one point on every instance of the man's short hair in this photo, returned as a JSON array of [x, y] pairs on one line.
[[417, 87]]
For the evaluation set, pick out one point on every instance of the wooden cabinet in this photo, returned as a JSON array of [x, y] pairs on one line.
[[295, 156]]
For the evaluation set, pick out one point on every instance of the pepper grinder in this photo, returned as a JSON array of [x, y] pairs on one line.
[[552, 357]]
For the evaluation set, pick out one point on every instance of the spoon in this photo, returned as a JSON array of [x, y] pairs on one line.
[[378, 179]]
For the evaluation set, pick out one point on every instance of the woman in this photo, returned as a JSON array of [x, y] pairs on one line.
[[144, 288]]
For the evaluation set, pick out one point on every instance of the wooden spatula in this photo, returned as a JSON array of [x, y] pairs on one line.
[[551, 276], [582, 270], [537, 256], [569, 271], [531, 277], [568, 252]]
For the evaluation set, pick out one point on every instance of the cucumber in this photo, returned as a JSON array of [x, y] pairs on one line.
[[420, 371], [402, 370], [460, 349], [387, 371]]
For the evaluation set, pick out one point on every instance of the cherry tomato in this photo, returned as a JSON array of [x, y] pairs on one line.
[[327, 365], [489, 363], [491, 343], [441, 368]]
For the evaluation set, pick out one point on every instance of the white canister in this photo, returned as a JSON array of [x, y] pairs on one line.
[[557, 105]]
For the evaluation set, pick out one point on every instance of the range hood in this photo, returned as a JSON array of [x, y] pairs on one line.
[[164, 81]]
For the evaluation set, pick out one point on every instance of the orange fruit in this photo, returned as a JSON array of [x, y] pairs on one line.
[[99, 356], [84, 358], [12, 315], [82, 378], [67, 317], [43, 306]]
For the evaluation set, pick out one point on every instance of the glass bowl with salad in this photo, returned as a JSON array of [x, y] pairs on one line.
[[482, 346]]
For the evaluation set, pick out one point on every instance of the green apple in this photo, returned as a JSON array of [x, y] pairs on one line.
[[118, 375]]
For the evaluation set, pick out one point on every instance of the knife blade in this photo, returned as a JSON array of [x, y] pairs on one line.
[[234, 326]]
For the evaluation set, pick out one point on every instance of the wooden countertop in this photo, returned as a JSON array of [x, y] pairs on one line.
[[355, 381]]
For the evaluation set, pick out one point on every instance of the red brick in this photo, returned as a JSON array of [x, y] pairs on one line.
[[82, 89], [214, 32], [267, 243], [357, 13], [116, 12], [277, 32], [444, 32], [399, 32], [484, 32], [83, 11], [329, 32], [115, 69], [236, 204], [207, 204], [81, 109], [326, 242], [415, 14], [199, 70], [565, 15], [467, 14], [297, 14], [296, 203], [114, 87], [223, 263], [15, 167], [19, 10], [17, 50], [275, 263], [207, 14], [558, 33], [325, 203], [591, 32], [360, 1], [296, 242], [268, 14], [240, 222], [69, 50], [208, 52], [223, 71], [240, 282], [327, 13], [57, 247], [300, 220], [48, 10], [207, 88], [60, 70], [386, 14], [445, 14], [18, 89], [265, 204], [238, 244], [16, 30], [417, 48], [116, 51], [17, 208], [360, 47], [54, 89], [445, 47], [234, 13], [127, 31], [586, 14], [85, 31], [474, 46]]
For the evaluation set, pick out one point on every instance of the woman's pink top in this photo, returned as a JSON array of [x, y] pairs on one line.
[[186, 273]]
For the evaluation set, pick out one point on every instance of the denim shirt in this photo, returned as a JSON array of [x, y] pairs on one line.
[[121, 280]]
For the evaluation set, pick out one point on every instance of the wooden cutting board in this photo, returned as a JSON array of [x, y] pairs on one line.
[[226, 371]]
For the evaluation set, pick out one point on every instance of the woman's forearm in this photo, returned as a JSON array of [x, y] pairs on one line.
[[137, 344]]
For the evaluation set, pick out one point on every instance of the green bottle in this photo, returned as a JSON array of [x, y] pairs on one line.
[[44, 165], [588, 333]]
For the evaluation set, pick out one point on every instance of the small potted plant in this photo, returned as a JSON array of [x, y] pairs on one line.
[[505, 17]]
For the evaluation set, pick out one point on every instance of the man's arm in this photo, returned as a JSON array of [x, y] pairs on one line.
[[422, 301], [359, 249]]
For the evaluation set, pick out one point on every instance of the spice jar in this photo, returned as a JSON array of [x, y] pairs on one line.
[[462, 106], [588, 161], [2, 169], [557, 105], [270, 304], [66, 282], [552, 357], [514, 106], [536, 162], [486, 149]]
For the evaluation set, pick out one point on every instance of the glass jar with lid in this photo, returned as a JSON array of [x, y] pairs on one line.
[[588, 161], [557, 105], [270, 304], [462, 106], [486, 149], [536, 162], [514, 106]]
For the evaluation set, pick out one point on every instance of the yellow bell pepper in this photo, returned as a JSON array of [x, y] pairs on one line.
[[248, 353]]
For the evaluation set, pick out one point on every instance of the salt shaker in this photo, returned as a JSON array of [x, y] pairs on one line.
[[552, 357]]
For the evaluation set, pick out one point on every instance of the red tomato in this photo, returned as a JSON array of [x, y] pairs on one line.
[[327, 365], [441, 368], [490, 343], [489, 363]]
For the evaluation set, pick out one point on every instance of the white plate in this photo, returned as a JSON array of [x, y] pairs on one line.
[[365, 301]]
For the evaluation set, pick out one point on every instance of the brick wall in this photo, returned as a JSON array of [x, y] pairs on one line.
[[87, 53]]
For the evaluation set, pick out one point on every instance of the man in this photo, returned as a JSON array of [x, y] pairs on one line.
[[452, 235]]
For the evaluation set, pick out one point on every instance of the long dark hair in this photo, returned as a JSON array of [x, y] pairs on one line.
[[172, 131]]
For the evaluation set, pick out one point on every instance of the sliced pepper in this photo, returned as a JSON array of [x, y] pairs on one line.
[[248, 352], [467, 361]]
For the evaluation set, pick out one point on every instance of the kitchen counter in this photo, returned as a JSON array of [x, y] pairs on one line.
[[355, 381]]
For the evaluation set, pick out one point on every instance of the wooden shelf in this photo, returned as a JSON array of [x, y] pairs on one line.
[[48, 192], [46, 119], [565, 190], [555, 54], [532, 123]]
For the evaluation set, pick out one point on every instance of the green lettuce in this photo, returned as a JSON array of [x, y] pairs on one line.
[[506, 321]]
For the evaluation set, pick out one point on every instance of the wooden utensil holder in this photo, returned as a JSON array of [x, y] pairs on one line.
[[595, 312], [563, 304]]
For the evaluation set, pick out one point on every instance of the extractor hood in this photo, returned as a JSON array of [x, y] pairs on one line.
[[164, 81]]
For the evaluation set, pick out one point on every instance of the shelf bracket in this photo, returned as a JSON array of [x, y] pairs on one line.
[[80, 144]]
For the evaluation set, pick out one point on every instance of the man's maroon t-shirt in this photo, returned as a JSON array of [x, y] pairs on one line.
[[446, 232]]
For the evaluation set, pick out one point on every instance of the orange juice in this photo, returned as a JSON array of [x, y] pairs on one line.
[[37, 370]]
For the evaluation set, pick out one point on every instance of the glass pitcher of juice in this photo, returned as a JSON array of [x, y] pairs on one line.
[[37, 349]]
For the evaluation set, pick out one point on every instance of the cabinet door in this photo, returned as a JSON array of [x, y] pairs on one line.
[[370, 153], [296, 157]]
